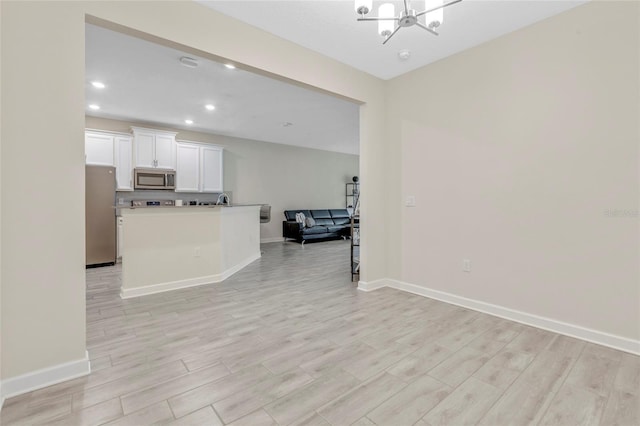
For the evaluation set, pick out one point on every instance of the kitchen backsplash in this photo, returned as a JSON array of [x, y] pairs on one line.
[[123, 198]]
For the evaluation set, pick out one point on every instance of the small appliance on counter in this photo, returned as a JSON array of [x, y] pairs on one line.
[[152, 203], [223, 199]]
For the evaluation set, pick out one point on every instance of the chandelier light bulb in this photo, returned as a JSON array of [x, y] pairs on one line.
[[385, 27], [363, 6], [434, 19]]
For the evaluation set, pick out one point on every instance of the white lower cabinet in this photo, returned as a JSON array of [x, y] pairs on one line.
[[198, 167]]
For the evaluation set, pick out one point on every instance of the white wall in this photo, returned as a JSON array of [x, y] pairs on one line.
[[43, 299], [1, 394], [43, 308], [515, 150], [284, 176]]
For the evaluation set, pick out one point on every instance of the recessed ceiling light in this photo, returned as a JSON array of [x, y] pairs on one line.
[[189, 62], [210, 107], [404, 54], [230, 66], [188, 121], [94, 107], [98, 84]]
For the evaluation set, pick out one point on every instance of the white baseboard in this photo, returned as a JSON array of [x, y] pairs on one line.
[[226, 274], [45, 377], [599, 337], [127, 293], [271, 240], [373, 285], [1, 397]]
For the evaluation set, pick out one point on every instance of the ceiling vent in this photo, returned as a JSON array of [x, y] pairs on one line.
[[189, 62]]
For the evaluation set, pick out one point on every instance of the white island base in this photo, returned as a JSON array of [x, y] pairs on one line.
[[167, 248]]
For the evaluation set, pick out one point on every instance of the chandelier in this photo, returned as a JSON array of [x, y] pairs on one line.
[[389, 23]]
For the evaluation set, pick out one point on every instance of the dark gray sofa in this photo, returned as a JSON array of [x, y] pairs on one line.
[[330, 224]]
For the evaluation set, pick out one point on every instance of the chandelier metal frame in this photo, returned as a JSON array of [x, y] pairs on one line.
[[408, 17]]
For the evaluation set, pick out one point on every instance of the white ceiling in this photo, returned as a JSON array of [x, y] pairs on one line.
[[146, 82], [330, 27]]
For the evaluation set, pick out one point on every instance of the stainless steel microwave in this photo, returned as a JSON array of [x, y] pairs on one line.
[[154, 179]]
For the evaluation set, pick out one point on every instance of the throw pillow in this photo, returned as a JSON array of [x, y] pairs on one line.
[[300, 218], [310, 222]]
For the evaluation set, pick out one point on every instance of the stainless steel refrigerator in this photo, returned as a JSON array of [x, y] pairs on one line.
[[100, 215]]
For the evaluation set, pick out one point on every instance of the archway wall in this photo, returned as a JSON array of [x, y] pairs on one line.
[[42, 143]]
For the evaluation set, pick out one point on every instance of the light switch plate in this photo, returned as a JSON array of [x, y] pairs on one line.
[[411, 201]]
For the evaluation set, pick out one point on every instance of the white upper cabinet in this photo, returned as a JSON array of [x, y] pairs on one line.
[[211, 168], [198, 167], [145, 150], [111, 149], [154, 148], [187, 167], [165, 151], [98, 149], [124, 163]]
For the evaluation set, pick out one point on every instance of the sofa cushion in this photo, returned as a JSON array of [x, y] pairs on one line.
[[341, 213], [340, 216], [321, 214], [341, 221], [291, 214], [336, 229], [315, 230]]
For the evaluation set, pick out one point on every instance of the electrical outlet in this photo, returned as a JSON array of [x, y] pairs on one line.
[[466, 265], [411, 201], [196, 252]]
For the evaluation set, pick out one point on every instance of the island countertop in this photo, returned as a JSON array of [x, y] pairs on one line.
[[209, 206]]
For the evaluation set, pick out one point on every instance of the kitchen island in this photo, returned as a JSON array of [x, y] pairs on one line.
[[167, 248]]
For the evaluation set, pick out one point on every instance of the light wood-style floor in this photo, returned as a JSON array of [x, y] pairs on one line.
[[289, 340]]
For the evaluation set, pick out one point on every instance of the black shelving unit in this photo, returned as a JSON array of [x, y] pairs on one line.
[[351, 194], [355, 246]]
